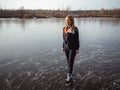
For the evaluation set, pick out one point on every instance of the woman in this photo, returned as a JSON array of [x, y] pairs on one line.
[[70, 44]]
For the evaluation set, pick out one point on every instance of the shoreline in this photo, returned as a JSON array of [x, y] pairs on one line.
[[25, 13]]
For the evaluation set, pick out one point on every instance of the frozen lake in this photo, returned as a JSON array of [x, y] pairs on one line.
[[31, 56]]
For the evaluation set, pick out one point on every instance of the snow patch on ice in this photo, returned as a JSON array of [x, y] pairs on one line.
[[98, 46], [8, 63], [107, 61], [37, 63], [30, 60], [23, 63], [78, 75], [56, 61], [29, 73], [8, 83], [54, 50], [78, 61]]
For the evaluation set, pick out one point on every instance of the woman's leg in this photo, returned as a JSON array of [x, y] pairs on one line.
[[72, 55], [67, 55]]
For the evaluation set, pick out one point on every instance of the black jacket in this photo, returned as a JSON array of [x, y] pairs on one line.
[[71, 40]]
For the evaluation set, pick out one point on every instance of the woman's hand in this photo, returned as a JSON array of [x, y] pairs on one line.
[[63, 50], [77, 51]]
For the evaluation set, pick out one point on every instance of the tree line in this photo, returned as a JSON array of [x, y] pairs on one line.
[[27, 13]]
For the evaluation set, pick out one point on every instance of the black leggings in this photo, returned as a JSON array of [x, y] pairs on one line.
[[70, 55]]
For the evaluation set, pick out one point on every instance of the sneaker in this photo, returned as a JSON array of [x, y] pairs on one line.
[[69, 79]]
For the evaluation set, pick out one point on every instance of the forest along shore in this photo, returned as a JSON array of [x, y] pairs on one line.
[[27, 13]]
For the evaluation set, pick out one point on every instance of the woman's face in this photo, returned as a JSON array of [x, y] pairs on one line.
[[68, 22]]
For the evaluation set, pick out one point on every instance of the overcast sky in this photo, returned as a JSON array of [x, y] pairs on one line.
[[60, 4]]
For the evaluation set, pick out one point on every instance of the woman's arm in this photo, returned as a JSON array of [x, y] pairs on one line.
[[77, 39], [63, 40]]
